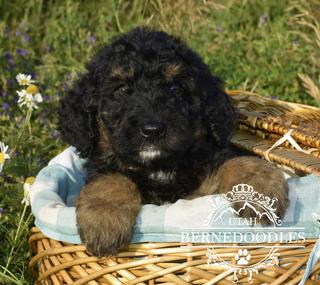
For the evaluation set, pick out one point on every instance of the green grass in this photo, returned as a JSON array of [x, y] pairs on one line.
[[258, 45]]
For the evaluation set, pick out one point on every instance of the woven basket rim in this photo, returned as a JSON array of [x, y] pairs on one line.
[[235, 92], [66, 263]]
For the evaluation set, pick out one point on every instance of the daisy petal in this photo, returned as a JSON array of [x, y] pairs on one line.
[[24, 79], [38, 97]]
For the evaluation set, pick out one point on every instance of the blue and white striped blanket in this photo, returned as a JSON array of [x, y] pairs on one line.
[[54, 193]]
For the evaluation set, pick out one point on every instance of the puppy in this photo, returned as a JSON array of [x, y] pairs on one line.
[[154, 125]]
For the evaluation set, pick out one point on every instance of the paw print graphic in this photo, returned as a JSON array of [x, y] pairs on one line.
[[243, 257]]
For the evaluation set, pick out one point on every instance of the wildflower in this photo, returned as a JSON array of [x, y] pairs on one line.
[[29, 96], [32, 89], [55, 134], [25, 39], [24, 79], [3, 155], [26, 190], [8, 56], [46, 98], [5, 107], [10, 82], [22, 52], [18, 33], [29, 99], [1, 212], [263, 20]]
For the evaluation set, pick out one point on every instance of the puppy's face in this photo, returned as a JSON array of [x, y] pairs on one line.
[[149, 100], [150, 110]]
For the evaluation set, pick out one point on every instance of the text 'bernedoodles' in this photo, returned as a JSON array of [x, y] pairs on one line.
[[154, 125]]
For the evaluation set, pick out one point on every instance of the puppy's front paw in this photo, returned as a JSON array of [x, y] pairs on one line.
[[102, 235], [106, 212]]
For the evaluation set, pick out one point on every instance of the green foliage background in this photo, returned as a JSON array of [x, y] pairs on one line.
[[258, 45]]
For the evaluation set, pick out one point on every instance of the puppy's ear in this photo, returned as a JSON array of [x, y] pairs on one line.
[[218, 109], [77, 115]]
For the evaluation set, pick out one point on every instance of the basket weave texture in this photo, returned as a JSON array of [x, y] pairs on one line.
[[159, 263], [261, 122]]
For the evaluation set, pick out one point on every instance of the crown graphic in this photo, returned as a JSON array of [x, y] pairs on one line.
[[248, 197], [245, 192]]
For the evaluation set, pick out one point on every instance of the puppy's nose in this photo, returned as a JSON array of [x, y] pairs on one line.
[[153, 130]]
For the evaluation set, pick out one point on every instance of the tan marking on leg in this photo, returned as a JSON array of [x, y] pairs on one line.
[[106, 211]]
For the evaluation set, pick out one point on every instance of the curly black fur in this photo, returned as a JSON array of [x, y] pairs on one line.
[[141, 77], [201, 105]]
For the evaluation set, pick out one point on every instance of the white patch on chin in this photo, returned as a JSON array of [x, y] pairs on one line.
[[163, 177], [149, 154]]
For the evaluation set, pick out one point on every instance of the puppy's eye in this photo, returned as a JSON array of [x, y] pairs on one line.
[[123, 90], [175, 88]]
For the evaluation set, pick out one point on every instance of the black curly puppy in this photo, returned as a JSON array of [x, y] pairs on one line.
[[154, 125]]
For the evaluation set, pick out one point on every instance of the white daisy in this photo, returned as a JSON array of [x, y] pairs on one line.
[[30, 98], [26, 190], [24, 79], [3, 155]]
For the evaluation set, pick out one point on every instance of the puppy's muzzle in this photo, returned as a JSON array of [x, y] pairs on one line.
[[153, 130]]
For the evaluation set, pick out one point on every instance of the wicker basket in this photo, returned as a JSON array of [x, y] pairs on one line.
[[262, 121]]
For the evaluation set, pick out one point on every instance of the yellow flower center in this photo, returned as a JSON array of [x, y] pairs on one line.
[[24, 81], [32, 89], [30, 180], [2, 159]]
